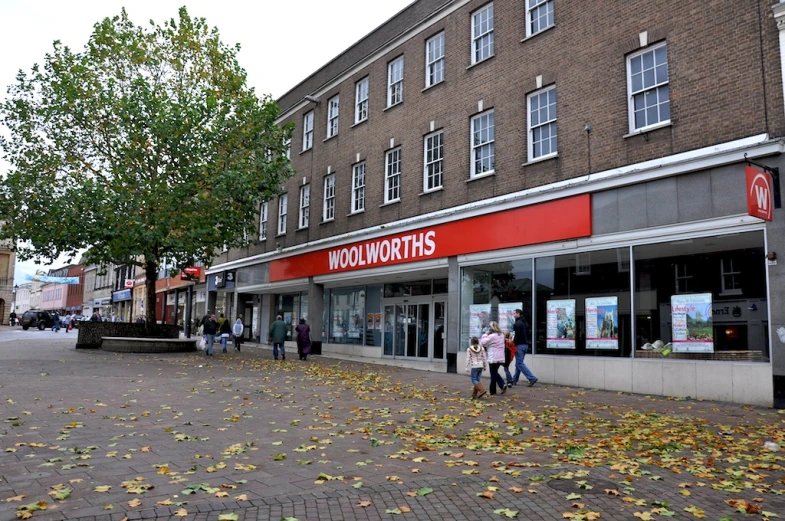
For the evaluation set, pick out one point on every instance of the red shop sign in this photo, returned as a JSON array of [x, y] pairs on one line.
[[559, 220], [760, 198]]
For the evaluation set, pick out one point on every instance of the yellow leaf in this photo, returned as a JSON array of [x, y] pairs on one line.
[[611, 492], [103, 488], [241, 497], [134, 503], [685, 492], [411, 494], [16, 498], [146, 449], [578, 505], [222, 494], [517, 490], [645, 516], [531, 491], [486, 494], [181, 513], [364, 504], [164, 503], [405, 509]]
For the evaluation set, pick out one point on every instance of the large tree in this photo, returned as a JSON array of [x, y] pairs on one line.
[[146, 146]]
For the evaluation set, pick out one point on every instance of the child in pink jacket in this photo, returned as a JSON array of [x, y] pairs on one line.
[[476, 358]]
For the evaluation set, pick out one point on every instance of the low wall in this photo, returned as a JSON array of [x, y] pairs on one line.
[[148, 345], [91, 333]]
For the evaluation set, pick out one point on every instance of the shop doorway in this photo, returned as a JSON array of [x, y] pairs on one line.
[[415, 328]]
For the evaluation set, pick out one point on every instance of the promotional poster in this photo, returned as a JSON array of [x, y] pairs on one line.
[[692, 323], [561, 324], [602, 323]]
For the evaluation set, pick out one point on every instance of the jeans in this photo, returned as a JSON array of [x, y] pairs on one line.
[[237, 340], [56, 327], [475, 374], [210, 341], [224, 340], [520, 367], [496, 377], [275, 349]]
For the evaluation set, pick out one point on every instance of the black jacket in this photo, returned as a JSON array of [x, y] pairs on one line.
[[522, 335], [210, 326]]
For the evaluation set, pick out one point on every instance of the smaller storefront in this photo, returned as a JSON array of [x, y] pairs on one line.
[[122, 304]]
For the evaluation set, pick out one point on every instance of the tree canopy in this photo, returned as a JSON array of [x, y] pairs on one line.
[[147, 145]]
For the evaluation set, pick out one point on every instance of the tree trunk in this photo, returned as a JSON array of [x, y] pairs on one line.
[[151, 275]]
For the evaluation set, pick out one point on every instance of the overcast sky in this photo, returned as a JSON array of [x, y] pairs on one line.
[[282, 41]]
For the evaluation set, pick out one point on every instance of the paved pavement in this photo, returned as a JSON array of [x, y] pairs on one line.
[[185, 436]]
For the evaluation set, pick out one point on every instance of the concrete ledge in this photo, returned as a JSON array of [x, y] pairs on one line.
[[148, 345]]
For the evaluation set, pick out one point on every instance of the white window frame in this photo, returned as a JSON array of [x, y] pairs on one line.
[[288, 148], [479, 38], [308, 131], [395, 81], [433, 161], [434, 60], [392, 175], [305, 206], [333, 106], [361, 100], [538, 7], [733, 272], [263, 222], [283, 203], [475, 148], [682, 275], [541, 124], [358, 187], [328, 211], [656, 87]]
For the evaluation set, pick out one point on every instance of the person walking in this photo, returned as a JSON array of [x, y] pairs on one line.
[[303, 339], [278, 332], [225, 329], [509, 356], [521, 341], [237, 331], [493, 340], [95, 317], [12, 316], [476, 360], [210, 328], [56, 325], [67, 322]]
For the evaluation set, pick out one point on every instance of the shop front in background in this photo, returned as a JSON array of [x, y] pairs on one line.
[[696, 298]]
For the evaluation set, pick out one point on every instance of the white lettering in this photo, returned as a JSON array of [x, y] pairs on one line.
[[430, 244], [344, 257], [362, 258], [763, 198], [396, 248], [417, 244], [372, 251], [406, 240], [353, 254], [333, 255], [384, 251]]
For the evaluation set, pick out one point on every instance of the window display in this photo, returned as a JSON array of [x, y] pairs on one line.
[[347, 316]]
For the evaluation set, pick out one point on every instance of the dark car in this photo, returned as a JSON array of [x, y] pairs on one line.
[[39, 319]]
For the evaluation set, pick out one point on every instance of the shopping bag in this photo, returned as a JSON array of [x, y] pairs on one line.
[[203, 343]]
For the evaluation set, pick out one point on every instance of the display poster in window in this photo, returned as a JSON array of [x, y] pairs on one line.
[[691, 319], [560, 324], [337, 326], [602, 323], [479, 318], [506, 318], [355, 325], [378, 321], [370, 322]]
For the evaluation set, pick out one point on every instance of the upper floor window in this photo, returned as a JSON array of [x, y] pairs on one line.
[[328, 213], [483, 144], [647, 84], [392, 176], [395, 81], [542, 123], [539, 16], [731, 276], [305, 205], [263, 222], [433, 161], [683, 277], [332, 116], [358, 187], [361, 100], [288, 146], [482, 34], [283, 202], [308, 131], [434, 60]]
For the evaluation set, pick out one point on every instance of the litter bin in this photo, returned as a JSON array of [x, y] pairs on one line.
[[316, 347]]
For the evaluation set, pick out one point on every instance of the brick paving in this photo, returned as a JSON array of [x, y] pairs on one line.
[[186, 437]]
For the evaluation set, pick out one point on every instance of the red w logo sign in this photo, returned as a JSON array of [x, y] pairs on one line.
[[759, 195]]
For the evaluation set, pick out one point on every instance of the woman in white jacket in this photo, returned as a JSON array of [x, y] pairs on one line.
[[493, 341], [237, 331]]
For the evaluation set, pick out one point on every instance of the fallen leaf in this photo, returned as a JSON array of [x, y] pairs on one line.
[[486, 494], [228, 517], [181, 513], [517, 490], [103, 488], [364, 504], [506, 512], [134, 503], [16, 498]]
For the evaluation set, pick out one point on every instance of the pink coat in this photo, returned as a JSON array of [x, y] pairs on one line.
[[494, 342]]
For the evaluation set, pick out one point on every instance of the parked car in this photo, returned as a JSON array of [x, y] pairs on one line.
[[39, 319]]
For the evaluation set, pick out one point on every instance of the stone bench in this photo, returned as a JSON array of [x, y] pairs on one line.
[[147, 345]]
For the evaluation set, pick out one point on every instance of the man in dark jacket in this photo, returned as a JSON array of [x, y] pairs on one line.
[[521, 340], [278, 332], [210, 328]]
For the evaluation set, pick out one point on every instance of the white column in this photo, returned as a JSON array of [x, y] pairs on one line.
[[779, 17]]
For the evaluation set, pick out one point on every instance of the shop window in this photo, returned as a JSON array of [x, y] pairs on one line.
[[407, 289], [373, 316], [292, 307], [347, 316], [719, 309], [580, 315]]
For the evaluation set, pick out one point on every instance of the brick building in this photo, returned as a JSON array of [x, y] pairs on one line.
[[591, 166]]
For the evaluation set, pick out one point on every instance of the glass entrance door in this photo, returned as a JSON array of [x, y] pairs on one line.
[[414, 329]]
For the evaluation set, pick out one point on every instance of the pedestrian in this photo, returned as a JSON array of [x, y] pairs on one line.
[[521, 341], [225, 329], [278, 332], [493, 341], [476, 360], [67, 322], [509, 356], [210, 328], [237, 331], [12, 316], [56, 325], [95, 317], [303, 339], [113, 318]]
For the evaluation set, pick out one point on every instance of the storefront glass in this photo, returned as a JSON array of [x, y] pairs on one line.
[[292, 307], [347, 316]]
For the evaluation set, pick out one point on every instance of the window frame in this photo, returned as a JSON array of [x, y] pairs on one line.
[[472, 147], [477, 38], [333, 109], [361, 104], [328, 209], [288, 148], [530, 129], [304, 214], [684, 276], [394, 88], [529, 15], [644, 89], [358, 190], [392, 178], [426, 174], [263, 214], [308, 130], [734, 272], [430, 64], [283, 210]]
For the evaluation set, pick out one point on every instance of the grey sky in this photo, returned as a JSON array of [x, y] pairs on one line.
[[282, 41]]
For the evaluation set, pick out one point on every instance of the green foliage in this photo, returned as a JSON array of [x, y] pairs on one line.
[[146, 145]]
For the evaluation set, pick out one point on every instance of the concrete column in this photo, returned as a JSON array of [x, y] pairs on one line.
[[453, 313], [315, 314], [779, 17]]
